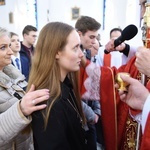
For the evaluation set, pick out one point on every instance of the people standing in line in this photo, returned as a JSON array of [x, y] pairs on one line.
[[55, 66], [15, 104], [88, 28], [120, 56], [29, 34]]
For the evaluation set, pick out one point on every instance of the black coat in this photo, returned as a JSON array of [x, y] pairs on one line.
[[64, 130]]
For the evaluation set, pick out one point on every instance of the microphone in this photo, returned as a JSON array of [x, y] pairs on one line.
[[128, 33]]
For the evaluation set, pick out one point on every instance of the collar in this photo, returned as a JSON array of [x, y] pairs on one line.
[[14, 57], [66, 87], [11, 75], [88, 54], [26, 48]]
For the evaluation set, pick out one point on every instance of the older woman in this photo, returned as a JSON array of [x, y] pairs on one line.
[[15, 114]]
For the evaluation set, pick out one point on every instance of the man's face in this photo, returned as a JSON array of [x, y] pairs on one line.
[[88, 39], [115, 34], [94, 49], [31, 37], [142, 4]]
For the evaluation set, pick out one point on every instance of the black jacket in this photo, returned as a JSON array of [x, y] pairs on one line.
[[25, 60], [64, 130]]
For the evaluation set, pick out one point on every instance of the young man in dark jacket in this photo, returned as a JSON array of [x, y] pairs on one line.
[[27, 48]]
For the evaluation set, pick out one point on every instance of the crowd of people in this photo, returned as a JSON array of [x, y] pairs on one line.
[[61, 93]]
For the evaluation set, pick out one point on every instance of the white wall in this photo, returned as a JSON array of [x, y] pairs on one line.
[[120, 14], [60, 10], [18, 7]]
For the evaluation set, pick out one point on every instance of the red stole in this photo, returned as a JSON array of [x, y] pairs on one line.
[[107, 60], [114, 111]]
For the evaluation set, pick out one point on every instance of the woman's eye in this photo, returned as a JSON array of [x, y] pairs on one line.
[[2, 48], [76, 48]]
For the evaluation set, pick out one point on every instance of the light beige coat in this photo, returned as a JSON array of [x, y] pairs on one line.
[[11, 119]]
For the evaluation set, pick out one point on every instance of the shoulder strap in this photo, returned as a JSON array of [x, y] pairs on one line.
[[17, 96]]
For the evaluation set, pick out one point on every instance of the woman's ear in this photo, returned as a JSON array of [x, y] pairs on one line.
[[57, 55]]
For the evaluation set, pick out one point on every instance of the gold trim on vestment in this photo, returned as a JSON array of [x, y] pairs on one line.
[[115, 105]]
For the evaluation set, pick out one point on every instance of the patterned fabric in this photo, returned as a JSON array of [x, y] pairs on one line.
[[91, 83]]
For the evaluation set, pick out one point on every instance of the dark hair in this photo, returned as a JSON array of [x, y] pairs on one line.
[[115, 29], [85, 23], [12, 34], [28, 28]]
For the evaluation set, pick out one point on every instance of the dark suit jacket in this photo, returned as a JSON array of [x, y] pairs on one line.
[[24, 66]]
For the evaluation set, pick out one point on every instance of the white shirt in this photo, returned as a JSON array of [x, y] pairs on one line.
[[117, 59], [14, 61]]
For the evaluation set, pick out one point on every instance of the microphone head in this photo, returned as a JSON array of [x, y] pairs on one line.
[[129, 32]]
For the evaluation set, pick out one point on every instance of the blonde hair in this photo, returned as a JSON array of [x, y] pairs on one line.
[[45, 71], [3, 32], [12, 34]]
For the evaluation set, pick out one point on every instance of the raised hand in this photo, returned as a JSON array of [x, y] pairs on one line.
[[142, 60]]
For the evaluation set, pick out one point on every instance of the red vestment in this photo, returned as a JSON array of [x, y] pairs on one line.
[[118, 133], [114, 111]]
